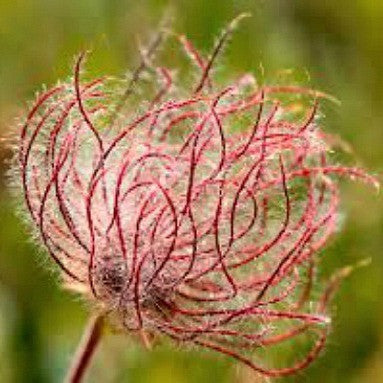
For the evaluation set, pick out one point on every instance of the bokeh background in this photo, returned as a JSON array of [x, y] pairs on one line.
[[335, 46]]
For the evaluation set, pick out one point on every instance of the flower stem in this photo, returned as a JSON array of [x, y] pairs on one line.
[[88, 344]]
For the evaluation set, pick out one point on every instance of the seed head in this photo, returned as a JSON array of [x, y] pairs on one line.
[[194, 211]]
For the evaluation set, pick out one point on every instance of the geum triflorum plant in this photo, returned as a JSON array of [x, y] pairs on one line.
[[194, 211]]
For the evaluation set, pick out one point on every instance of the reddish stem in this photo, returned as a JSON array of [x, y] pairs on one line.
[[88, 344]]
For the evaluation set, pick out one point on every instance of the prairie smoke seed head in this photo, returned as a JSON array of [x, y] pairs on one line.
[[196, 213]]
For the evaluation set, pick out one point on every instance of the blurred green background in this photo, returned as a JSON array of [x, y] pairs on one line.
[[340, 43]]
